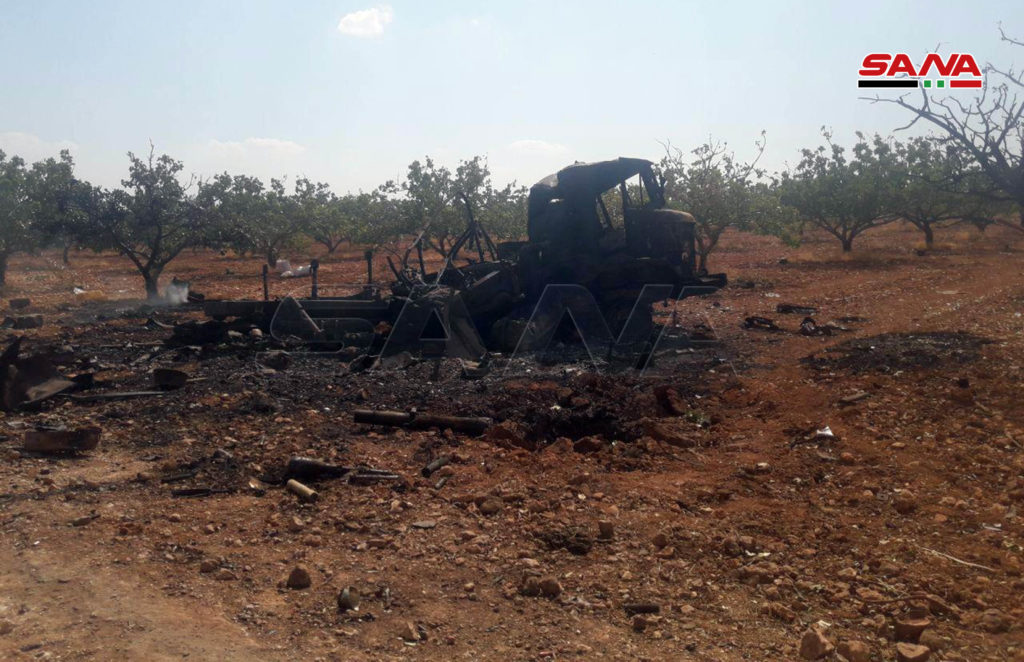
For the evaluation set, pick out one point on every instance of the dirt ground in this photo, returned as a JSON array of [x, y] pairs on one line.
[[722, 510]]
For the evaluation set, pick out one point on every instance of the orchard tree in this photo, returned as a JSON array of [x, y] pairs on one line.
[[18, 233], [54, 191], [844, 197], [714, 187], [256, 219], [990, 128], [932, 190], [321, 214], [428, 204], [150, 220]]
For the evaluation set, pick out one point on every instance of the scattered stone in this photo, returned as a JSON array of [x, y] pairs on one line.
[[605, 530], [23, 322], [409, 632], [530, 586], [932, 640], [348, 599], [994, 621], [509, 434], [6, 627], [659, 540], [424, 524], [906, 652], [19, 304], [299, 578], [588, 445], [169, 378], [814, 645], [779, 611], [550, 588], [83, 520], [905, 502], [490, 506], [909, 629], [225, 575], [208, 565], [640, 623], [854, 651], [275, 359]]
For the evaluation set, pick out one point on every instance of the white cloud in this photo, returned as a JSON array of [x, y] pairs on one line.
[[366, 22], [537, 147], [32, 148], [263, 146]]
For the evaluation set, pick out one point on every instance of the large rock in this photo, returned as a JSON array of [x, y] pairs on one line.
[[912, 652], [854, 651], [814, 645], [299, 578]]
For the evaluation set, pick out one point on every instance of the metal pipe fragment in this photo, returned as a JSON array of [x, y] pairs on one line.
[[417, 421], [306, 494]]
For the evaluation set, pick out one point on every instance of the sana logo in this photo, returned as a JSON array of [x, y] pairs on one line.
[[958, 70]]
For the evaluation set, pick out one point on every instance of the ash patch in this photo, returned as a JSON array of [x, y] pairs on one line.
[[893, 352]]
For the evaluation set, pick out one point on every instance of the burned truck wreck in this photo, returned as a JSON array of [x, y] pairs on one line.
[[585, 272]]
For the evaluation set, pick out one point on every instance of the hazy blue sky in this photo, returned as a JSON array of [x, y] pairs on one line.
[[275, 88]]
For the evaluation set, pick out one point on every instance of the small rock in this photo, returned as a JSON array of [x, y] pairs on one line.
[[605, 530], [659, 540], [854, 651], [588, 445], [409, 632], [348, 599], [814, 645], [208, 565], [83, 520], [490, 506], [20, 322], [299, 578], [912, 652], [994, 621], [424, 524], [550, 588], [276, 359], [932, 640], [530, 587], [779, 611], [910, 629], [905, 503], [6, 627], [225, 575]]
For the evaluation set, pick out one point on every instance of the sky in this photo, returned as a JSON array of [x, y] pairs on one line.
[[350, 92]]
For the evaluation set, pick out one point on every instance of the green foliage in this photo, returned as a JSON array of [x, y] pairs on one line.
[[18, 233], [845, 197], [435, 199], [715, 188], [150, 220], [934, 186]]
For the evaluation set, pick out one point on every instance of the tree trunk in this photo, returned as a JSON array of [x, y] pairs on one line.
[[847, 244], [152, 279], [3, 268], [929, 236], [66, 257], [271, 257]]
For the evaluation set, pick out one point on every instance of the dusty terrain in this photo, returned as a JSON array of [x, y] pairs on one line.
[[725, 511]]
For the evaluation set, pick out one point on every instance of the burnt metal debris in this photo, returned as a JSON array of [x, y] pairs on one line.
[[491, 302]]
